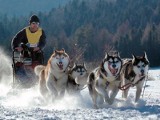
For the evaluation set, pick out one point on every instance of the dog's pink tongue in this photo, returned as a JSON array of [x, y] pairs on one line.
[[60, 66], [141, 75], [113, 71]]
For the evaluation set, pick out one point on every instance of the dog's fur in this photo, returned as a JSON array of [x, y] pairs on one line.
[[104, 80], [134, 73], [77, 79], [53, 77]]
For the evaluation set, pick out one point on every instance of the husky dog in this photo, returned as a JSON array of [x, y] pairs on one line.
[[134, 73], [77, 78], [105, 79], [53, 77]]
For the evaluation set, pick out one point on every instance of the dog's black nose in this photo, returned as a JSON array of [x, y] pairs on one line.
[[142, 71], [60, 62], [113, 65]]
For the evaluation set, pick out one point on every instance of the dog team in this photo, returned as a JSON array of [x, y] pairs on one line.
[[104, 82]]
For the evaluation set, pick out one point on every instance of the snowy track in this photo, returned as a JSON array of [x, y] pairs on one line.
[[27, 104]]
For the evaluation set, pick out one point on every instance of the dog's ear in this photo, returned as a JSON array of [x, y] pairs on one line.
[[55, 51], [133, 56], [106, 55], [133, 59], [63, 49], [118, 55], [145, 56], [75, 64], [84, 65]]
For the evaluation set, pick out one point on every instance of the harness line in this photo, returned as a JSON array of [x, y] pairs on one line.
[[126, 86]]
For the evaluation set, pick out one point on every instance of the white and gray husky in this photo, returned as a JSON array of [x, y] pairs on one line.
[[134, 73], [77, 79], [103, 82]]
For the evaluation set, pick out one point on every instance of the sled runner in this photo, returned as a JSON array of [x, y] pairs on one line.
[[23, 66]]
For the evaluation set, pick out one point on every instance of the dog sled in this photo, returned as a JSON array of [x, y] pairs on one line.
[[23, 65]]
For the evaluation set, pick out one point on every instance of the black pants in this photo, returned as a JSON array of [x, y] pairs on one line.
[[36, 56]]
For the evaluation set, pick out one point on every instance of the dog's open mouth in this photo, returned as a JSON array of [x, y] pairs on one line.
[[141, 75], [60, 65], [113, 70]]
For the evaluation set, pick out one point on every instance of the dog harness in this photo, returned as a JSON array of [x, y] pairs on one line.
[[126, 86], [103, 75], [130, 75]]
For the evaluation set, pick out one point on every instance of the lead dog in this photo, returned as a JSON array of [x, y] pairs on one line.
[[53, 76], [105, 79], [134, 73]]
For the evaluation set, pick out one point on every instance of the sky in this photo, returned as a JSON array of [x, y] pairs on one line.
[[25, 7], [27, 104]]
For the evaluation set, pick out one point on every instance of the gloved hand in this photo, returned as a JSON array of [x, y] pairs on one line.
[[19, 49], [36, 49]]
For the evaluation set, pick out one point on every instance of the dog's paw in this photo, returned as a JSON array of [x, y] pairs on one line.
[[95, 106]]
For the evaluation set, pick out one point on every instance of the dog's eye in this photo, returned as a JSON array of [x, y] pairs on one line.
[[57, 58], [116, 61], [62, 57], [109, 62], [143, 65], [138, 66]]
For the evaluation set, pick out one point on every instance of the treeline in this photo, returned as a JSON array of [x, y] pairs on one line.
[[87, 29]]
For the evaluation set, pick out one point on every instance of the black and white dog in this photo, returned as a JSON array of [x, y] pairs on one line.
[[134, 73], [103, 82], [77, 79]]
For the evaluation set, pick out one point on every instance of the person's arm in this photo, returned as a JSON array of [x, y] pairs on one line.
[[17, 39], [42, 41]]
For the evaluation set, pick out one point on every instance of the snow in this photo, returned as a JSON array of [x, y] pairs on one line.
[[27, 104]]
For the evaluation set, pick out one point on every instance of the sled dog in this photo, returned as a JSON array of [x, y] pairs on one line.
[[134, 73], [77, 79], [103, 82], [53, 77]]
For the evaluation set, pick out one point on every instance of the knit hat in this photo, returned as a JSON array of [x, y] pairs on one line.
[[34, 18]]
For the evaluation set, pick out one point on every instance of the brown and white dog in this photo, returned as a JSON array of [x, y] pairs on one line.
[[53, 77], [134, 73], [103, 82]]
